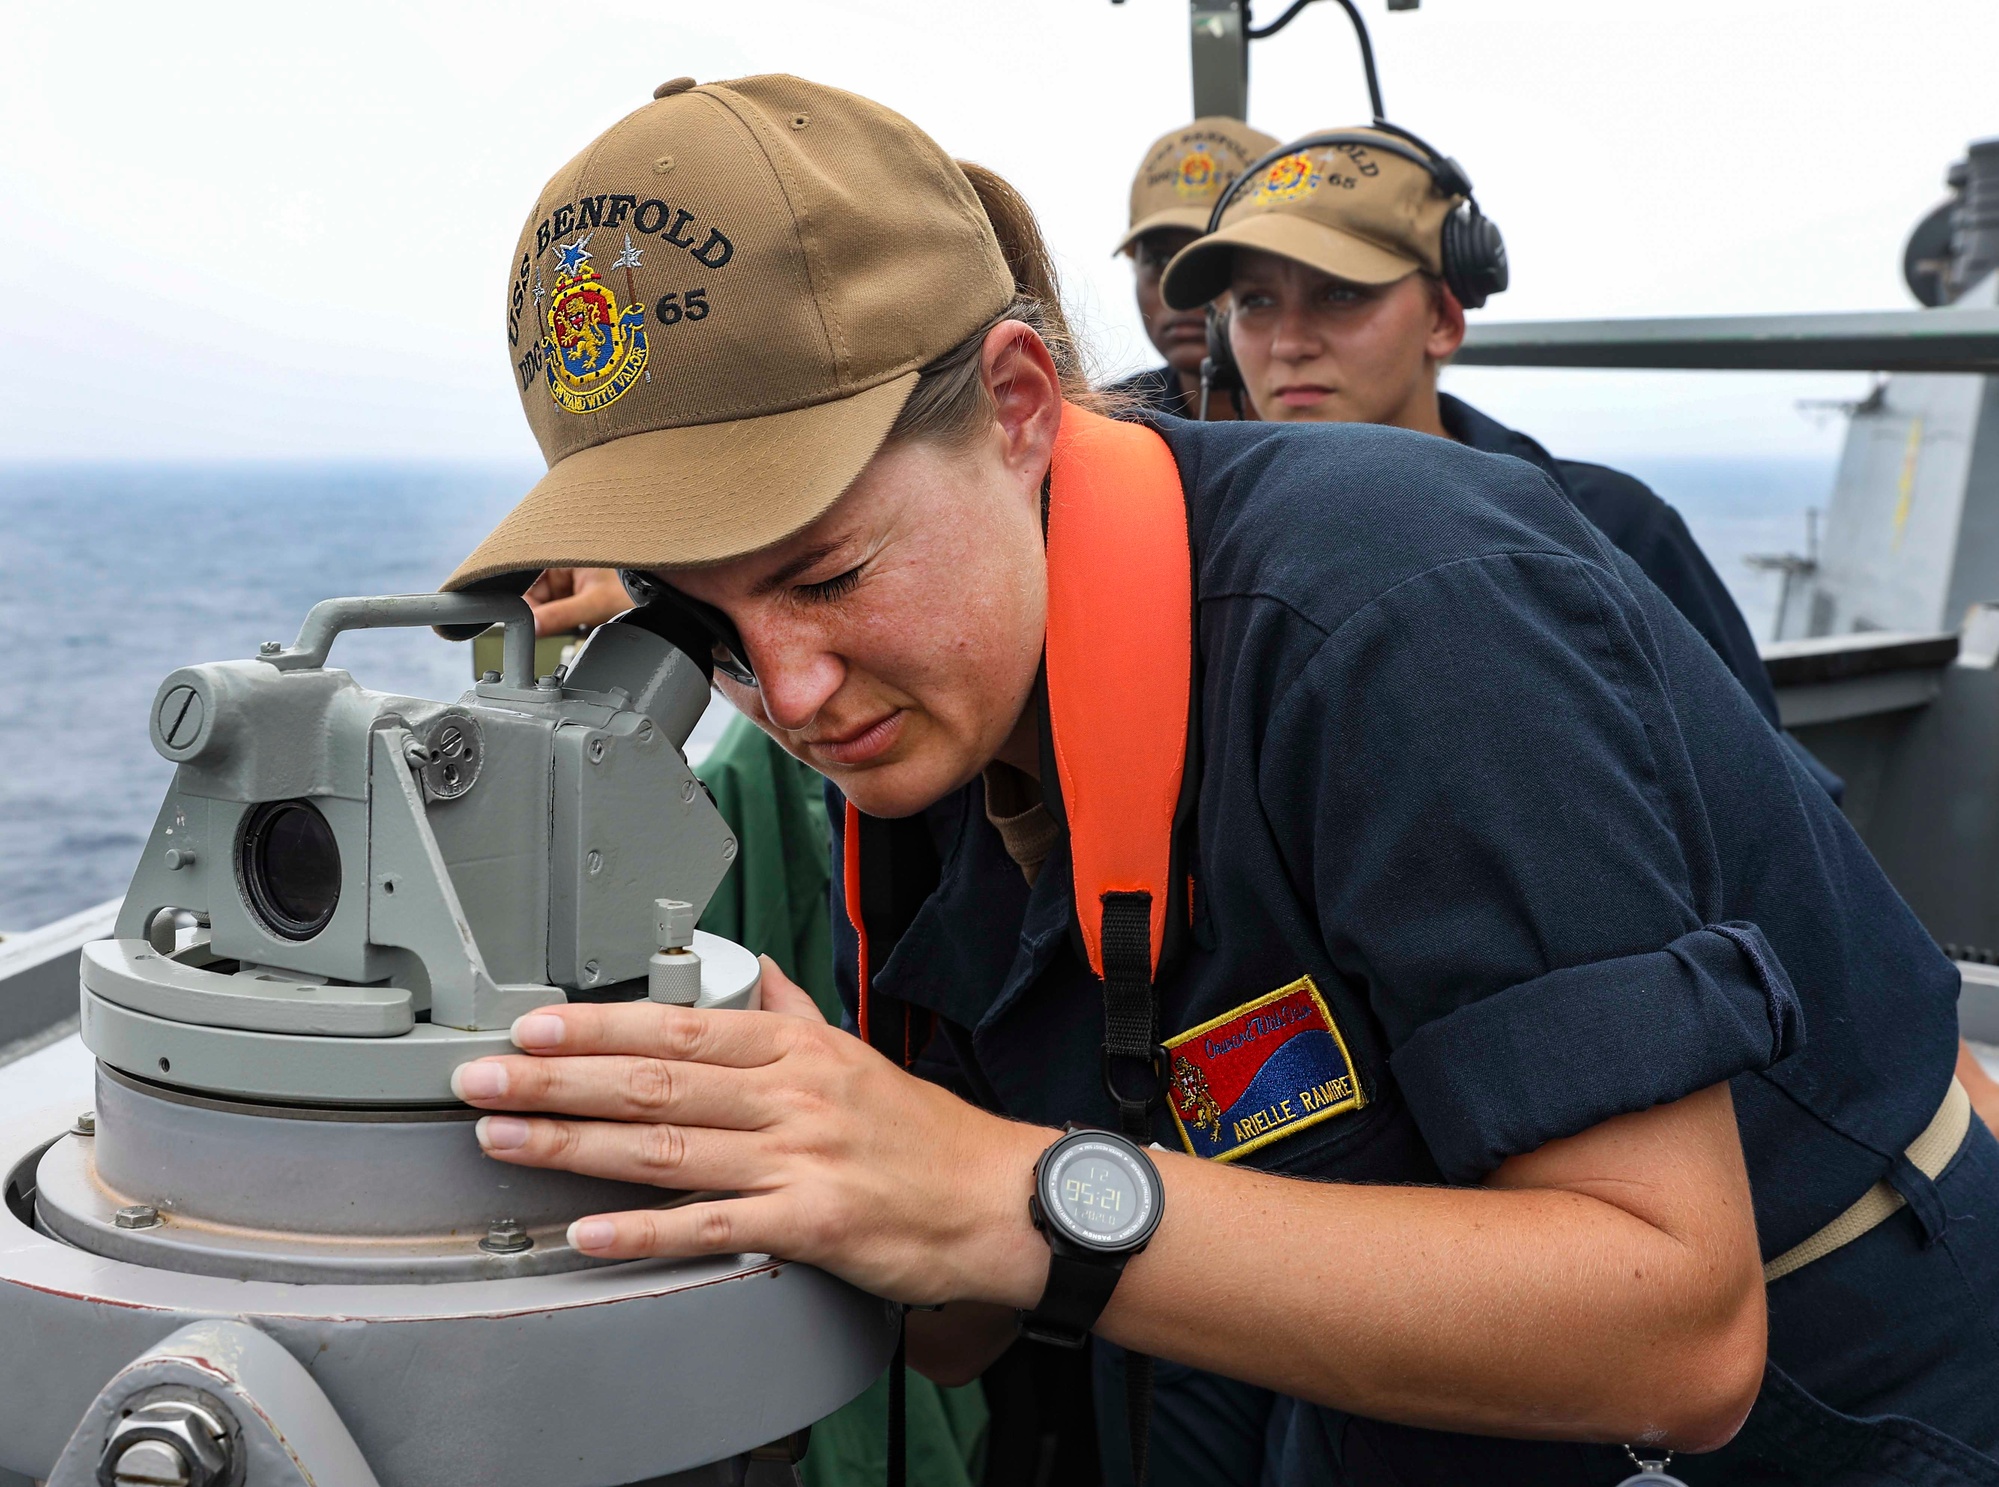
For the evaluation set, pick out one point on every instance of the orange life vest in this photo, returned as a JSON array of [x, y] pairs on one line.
[[1118, 687]]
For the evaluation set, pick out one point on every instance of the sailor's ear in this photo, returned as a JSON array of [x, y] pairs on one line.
[[1447, 322], [1026, 393]]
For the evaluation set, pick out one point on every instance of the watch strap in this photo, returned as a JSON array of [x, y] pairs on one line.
[[1079, 1288]]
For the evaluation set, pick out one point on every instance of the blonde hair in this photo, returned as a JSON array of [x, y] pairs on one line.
[[950, 402]]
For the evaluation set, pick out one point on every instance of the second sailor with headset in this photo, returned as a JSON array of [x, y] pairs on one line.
[[1444, 859], [1347, 270]]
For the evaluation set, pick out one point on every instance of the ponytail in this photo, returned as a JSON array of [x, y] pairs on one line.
[[950, 402]]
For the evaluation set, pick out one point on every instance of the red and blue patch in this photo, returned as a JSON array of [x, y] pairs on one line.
[[1256, 1075]]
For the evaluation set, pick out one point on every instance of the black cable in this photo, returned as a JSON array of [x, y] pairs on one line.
[[1138, 1413], [898, 1408], [1258, 33]]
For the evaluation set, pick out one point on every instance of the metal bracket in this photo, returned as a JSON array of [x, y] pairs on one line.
[[420, 910], [134, 974], [281, 1430], [1220, 45]]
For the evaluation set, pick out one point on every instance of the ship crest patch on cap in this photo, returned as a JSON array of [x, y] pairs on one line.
[[585, 341], [1197, 173], [593, 349], [1290, 178]]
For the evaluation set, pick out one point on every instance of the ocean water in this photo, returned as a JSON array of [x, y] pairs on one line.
[[112, 576], [1741, 508]]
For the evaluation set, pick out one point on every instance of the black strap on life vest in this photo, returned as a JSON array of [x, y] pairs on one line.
[[890, 868], [1131, 1042]]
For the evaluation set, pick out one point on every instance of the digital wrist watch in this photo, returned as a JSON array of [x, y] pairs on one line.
[[1097, 1200]]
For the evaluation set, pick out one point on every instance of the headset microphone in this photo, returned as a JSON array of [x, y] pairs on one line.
[[1219, 372]]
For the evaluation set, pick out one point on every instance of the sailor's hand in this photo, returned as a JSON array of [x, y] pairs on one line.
[[837, 1157], [565, 599]]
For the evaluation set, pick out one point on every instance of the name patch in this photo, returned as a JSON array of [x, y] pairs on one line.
[[1259, 1073]]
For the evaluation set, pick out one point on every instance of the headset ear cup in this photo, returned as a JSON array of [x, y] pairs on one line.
[[1474, 256], [1492, 256]]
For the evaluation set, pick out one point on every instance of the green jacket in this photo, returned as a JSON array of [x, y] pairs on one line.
[[775, 902]]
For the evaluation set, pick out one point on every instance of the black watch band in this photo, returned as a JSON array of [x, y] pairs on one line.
[[1079, 1288]]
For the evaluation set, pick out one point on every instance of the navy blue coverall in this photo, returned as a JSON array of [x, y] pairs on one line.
[[1469, 774], [1653, 535], [1626, 510]]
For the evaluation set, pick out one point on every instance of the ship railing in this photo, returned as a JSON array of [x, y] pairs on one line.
[[1953, 339], [38, 979]]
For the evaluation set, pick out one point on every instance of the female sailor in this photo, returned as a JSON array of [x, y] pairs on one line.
[[1469, 1019]]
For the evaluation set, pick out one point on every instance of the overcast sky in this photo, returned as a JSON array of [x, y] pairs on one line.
[[247, 230]]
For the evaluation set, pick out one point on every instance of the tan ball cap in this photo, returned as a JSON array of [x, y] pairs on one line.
[[716, 312], [1186, 170], [1356, 213]]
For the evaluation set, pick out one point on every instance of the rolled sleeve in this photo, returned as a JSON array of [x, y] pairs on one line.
[[1482, 780], [1568, 1050]]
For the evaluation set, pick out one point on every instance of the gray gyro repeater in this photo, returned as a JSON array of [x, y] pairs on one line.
[[277, 1255]]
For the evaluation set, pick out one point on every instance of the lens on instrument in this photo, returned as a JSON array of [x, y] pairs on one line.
[[291, 868]]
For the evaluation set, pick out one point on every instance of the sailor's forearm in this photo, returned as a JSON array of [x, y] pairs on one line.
[[1606, 1286], [1531, 1312]]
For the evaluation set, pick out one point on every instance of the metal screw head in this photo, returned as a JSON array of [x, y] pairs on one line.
[[597, 751], [547, 683], [137, 1216], [687, 791], [595, 862], [270, 648], [180, 717], [151, 1464], [591, 970], [729, 850], [490, 678], [505, 1237], [85, 1124], [456, 748], [168, 1443]]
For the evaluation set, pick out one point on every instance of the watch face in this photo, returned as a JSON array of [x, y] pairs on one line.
[[1099, 1192]]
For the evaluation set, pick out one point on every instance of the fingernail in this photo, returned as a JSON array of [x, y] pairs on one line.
[[502, 1132], [592, 1234], [537, 1030], [480, 1081]]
